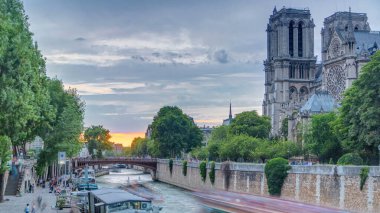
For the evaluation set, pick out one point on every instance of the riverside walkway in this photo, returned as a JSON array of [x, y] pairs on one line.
[[18, 204]]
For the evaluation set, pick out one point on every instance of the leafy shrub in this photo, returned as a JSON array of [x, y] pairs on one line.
[[184, 168], [203, 170], [60, 202], [350, 159], [171, 166], [276, 171], [363, 176], [226, 169], [211, 174]]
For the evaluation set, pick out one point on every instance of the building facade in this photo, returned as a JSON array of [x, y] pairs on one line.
[[290, 66], [291, 73]]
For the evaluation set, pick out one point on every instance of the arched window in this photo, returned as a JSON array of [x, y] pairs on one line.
[[300, 48], [356, 28], [291, 48], [293, 93], [346, 28], [303, 93]]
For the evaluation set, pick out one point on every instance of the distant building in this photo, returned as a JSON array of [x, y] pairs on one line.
[[228, 121], [206, 132], [292, 76], [118, 148], [319, 102]]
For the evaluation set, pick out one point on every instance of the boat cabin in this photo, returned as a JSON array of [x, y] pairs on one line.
[[117, 200]]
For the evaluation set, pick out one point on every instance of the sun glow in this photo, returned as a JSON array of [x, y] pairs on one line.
[[125, 138]]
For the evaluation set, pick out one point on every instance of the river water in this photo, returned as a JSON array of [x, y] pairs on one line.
[[171, 198]]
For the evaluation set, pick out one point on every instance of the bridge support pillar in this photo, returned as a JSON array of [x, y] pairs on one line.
[[154, 175]]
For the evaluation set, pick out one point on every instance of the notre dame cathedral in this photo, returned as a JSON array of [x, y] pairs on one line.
[[296, 86]]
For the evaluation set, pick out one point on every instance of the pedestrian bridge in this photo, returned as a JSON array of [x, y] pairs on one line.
[[143, 162]]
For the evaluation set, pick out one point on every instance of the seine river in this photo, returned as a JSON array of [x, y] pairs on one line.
[[171, 198]]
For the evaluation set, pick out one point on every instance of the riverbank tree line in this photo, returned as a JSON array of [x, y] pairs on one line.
[[32, 104], [350, 132]]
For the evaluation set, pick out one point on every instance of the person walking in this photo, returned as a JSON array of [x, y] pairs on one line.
[[27, 208], [33, 208]]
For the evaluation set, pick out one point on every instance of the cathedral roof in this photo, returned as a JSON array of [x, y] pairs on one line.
[[320, 102], [367, 41]]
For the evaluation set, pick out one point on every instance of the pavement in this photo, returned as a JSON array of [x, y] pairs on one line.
[[13, 204]]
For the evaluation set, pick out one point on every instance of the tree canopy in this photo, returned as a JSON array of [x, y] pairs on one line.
[[24, 104], [98, 138], [66, 126], [251, 124], [174, 132], [358, 124], [321, 139]]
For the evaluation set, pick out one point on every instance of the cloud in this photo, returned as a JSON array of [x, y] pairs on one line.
[[221, 56], [103, 60], [153, 41], [104, 88], [80, 39], [152, 48]]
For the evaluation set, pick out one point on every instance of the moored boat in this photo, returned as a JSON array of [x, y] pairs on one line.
[[117, 200]]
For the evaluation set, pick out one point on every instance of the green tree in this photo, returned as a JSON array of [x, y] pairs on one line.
[[267, 149], [65, 128], [5, 156], [201, 153], [174, 132], [97, 138], [238, 147], [251, 124], [263, 151], [359, 114], [153, 148], [140, 147], [219, 135], [24, 104], [321, 139]]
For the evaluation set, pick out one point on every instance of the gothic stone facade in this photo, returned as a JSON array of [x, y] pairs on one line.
[[290, 65], [291, 72], [346, 40]]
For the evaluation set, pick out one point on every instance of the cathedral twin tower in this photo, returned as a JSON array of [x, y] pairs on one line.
[[290, 65], [292, 75]]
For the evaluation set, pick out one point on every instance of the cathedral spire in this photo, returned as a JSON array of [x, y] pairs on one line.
[[274, 10], [350, 30], [230, 115]]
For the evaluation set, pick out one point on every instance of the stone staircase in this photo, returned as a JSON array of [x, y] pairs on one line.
[[12, 184]]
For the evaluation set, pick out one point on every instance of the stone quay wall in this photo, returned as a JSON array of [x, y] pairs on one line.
[[324, 185]]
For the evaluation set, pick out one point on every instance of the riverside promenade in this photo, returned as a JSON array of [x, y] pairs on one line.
[[18, 204]]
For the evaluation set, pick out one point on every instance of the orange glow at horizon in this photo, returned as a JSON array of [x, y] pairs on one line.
[[125, 138]]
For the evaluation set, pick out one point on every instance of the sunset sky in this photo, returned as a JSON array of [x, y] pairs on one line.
[[128, 58], [125, 138]]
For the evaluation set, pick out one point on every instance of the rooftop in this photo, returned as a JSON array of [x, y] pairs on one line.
[[367, 41], [320, 102], [109, 196]]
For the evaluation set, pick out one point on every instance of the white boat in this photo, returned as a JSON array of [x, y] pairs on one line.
[[116, 200]]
